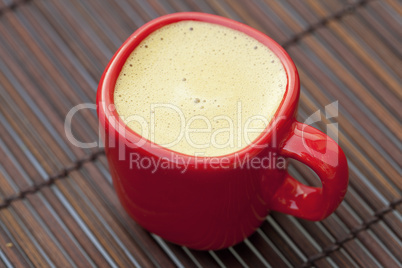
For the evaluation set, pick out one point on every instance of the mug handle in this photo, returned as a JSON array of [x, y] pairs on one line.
[[324, 156]]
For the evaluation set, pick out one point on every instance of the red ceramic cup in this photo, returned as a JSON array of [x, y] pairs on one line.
[[210, 207]]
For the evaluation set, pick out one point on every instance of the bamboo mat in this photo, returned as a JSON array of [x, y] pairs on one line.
[[57, 204]]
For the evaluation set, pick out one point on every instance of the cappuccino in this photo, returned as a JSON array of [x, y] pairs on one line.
[[199, 88]]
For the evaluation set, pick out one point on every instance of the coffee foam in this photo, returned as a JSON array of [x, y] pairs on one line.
[[207, 71]]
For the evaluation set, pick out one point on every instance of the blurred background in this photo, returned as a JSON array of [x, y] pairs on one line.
[[57, 204]]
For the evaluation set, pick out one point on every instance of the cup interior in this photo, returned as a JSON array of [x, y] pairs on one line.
[[105, 96]]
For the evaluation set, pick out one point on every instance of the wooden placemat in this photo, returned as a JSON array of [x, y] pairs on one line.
[[57, 204]]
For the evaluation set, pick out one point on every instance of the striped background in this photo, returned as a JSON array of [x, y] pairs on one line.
[[57, 204]]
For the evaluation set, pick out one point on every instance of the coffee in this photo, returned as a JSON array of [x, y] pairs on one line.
[[199, 88]]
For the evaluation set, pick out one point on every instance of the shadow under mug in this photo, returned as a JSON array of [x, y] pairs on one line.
[[207, 207]]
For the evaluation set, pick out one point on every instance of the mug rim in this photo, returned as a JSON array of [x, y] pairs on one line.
[[105, 94]]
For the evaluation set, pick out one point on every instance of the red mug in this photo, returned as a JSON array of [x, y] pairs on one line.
[[209, 207]]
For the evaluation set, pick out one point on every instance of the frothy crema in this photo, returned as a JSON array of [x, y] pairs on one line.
[[199, 88]]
